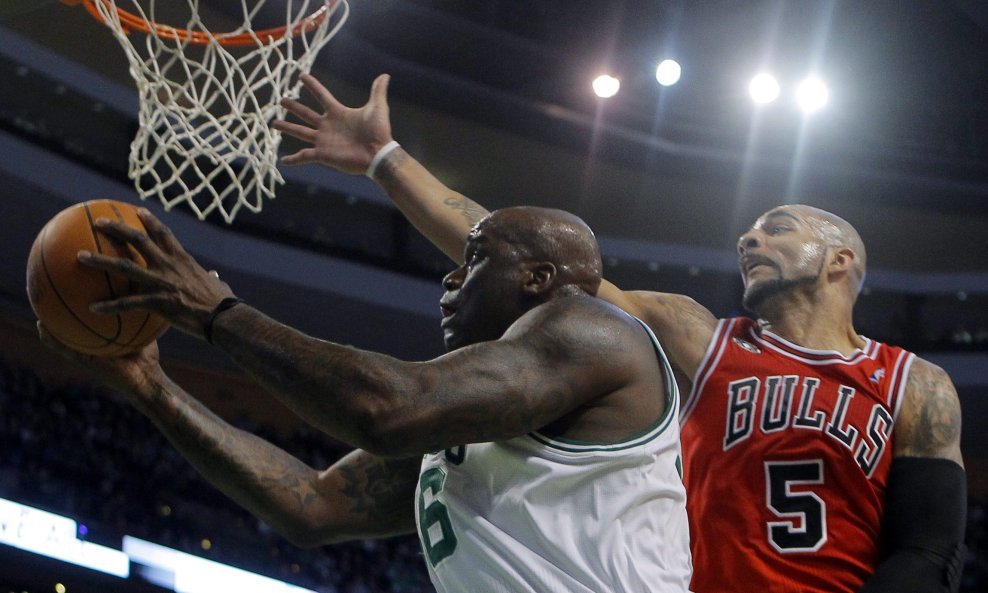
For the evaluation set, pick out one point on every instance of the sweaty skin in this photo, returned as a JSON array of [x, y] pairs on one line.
[[802, 268]]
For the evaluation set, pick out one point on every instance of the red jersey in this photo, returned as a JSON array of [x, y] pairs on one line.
[[786, 455]]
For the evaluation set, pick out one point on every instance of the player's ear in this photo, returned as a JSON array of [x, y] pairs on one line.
[[539, 277], [842, 260]]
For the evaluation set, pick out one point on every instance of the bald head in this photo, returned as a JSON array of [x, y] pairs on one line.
[[554, 236], [833, 231]]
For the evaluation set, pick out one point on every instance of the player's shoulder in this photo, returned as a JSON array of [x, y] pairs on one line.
[[928, 381], [580, 320], [584, 311], [929, 423], [923, 369]]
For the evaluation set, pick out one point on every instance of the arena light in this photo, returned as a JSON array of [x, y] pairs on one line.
[[185, 573], [812, 95], [606, 86], [55, 536], [763, 88], [668, 72]]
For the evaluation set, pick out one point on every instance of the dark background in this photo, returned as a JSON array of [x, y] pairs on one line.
[[494, 98]]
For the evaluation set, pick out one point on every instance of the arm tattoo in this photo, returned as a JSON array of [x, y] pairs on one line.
[[933, 421], [380, 490], [385, 170], [471, 211]]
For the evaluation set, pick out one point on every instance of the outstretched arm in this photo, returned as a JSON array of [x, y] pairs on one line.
[[489, 391], [360, 496], [926, 497], [348, 139], [485, 392]]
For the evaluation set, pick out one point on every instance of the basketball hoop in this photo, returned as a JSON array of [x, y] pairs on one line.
[[206, 98]]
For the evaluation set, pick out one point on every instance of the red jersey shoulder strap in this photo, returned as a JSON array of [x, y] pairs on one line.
[[715, 349], [898, 377]]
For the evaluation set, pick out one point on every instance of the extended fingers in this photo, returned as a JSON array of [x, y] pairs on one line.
[[306, 155], [119, 265], [304, 133], [128, 234], [321, 93], [303, 112], [127, 303], [161, 235]]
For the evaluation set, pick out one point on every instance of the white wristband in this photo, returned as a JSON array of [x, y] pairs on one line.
[[381, 154]]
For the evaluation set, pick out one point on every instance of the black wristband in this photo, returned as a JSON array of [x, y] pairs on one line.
[[225, 304]]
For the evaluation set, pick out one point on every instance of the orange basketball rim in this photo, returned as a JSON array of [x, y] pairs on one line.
[[134, 22]]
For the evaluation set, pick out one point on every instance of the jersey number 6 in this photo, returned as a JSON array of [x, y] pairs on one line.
[[438, 538]]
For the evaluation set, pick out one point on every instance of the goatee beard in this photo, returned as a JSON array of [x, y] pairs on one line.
[[756, 295]]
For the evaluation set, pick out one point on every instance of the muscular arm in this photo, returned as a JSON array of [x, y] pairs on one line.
[[360, 496], [929, 424], [489, 391], [347, 138], [442, 215], [684, 326], [926, 497]]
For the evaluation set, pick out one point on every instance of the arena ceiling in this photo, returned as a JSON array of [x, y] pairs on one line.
[[494, 97]]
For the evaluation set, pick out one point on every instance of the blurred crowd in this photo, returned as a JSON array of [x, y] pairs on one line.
[[84, 453]]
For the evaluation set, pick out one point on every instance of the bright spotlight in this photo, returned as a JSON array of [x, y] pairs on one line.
[[763, 88], [606, 86], [812, 94], [668, 72]]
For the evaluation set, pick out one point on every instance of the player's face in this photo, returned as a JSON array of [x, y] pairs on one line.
[[483, 296], [780, 252]]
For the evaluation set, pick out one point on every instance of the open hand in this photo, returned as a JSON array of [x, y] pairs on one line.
[[341, 137]]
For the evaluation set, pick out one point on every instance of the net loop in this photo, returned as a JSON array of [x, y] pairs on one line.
[[206, 98]]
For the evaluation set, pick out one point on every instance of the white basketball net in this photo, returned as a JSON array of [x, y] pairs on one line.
[[203, 135]]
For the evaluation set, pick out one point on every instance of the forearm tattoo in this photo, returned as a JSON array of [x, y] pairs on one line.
[[380, 490], [471, 211]]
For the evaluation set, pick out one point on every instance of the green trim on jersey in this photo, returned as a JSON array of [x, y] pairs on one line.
[[578, 446], [637, 439]]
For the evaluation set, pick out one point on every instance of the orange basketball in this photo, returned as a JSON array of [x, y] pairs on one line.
[[61, 289]]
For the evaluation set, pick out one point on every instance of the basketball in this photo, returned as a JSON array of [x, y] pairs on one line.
[[61, 289]]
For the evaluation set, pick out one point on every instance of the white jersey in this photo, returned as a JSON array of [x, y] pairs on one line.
[[537, 514]]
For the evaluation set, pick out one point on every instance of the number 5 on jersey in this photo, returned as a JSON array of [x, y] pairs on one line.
[[435, 528], [804, 514]]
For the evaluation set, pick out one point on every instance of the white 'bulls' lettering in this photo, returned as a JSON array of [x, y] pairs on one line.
[[778, 413]]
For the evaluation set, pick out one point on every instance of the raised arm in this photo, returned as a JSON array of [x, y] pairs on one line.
[[684, 326], [926, 496], [361, 496], [349, 138]]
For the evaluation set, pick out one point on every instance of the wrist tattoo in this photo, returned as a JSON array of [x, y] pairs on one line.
[[386, 169]]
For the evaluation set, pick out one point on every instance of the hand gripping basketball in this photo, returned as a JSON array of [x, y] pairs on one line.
[[173, 284], [136, 374], [61, 291]]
